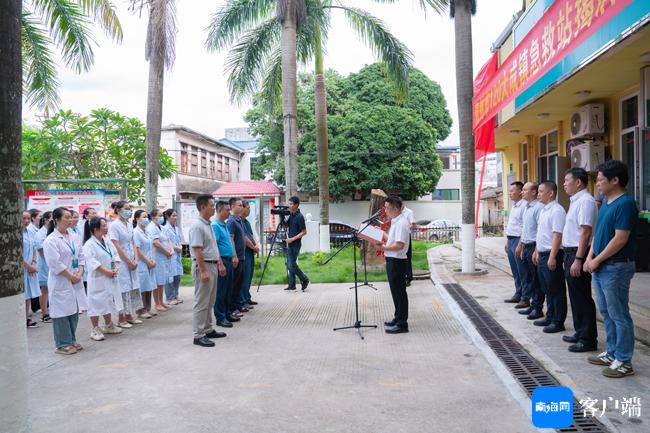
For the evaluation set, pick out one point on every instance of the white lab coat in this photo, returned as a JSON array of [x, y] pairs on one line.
[[122, 232], [104, 295], [65, 298]]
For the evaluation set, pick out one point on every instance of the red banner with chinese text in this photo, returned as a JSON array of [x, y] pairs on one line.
[[564, 26], [484, 134]]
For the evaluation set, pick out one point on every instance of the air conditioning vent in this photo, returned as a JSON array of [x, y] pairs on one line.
[[588, 155], [588, 121]]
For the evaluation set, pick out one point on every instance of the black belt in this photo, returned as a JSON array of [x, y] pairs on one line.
[[571, 249], [513, 237], [617, 260], [214, 261], [543, 253], [529, 244]]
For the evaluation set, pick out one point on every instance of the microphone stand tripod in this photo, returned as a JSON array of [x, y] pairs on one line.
[[280, 228], [357, 323]]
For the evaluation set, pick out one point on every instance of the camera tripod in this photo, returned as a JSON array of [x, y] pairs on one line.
[[357, 323], [280, 228]]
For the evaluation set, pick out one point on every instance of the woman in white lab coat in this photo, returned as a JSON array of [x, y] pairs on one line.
[[43, 271], [80, 288], [104, 295], [120, 232], [30, 270], [164, 250], [146, 262], [64, 256], [173, 232]]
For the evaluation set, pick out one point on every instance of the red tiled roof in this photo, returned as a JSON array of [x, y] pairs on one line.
[[248, 188]]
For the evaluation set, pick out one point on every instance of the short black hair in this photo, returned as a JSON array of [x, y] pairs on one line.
[[518, 184], [221, 204], [87, 211], [614, 168], [233, 200], [294, 199], [551, 185], [395, 201], [202, 200], [580, 174], [534, 186]]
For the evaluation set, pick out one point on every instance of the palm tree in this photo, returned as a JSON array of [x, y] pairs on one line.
[[461, 11], [11, 196], [255, 58], [66, 25], [160, 51]]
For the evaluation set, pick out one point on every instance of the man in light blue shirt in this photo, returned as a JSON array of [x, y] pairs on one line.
[[531, 291]]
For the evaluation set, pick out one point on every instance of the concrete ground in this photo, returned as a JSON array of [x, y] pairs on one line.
[[571, 369], [281, 369]]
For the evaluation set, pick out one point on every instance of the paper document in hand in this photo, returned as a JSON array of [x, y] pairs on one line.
[[372, 234]]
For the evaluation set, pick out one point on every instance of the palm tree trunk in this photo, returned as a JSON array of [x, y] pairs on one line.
[[154, 125], [464, 90], [320, 104], [289, 102], [13, 380]]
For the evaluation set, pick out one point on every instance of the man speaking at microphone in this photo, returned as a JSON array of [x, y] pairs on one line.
[[395, 247]]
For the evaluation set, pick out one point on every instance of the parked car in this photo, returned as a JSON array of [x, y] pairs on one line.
[[441, 230]]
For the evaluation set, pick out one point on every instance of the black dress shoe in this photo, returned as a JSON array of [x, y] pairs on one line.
[[544, 322], [233, 318], [390, 323], [569, 338], [304, 285], [522, 304], [408, 283], [225, 324], [251, 302], [203, 341], [290, 288], [582, 347], [243, 309], [215, 334], [512, 300], [535, 315], [553, 328], [396, 329], [526, 311]]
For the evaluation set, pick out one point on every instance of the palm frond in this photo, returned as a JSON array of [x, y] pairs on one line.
[[103, 13], [40, 81], [161, 31], [438, 6], [318, 20], [247, 59], [235, 18], [390, 50], [271, 90], [70, 30]]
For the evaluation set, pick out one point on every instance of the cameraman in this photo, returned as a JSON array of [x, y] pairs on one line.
[[297, 229]]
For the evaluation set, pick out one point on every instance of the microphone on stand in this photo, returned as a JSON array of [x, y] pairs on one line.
[[374, 217]]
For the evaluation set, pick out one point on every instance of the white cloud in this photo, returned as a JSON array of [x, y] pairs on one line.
[[196, 93]]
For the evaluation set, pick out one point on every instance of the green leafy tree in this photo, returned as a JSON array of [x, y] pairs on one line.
[[103, 145], [66, 25], [376, 142]]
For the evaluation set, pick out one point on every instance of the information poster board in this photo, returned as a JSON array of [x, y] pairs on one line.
[[47, 200]]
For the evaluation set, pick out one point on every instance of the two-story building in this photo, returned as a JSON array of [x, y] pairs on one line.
[[571, 86], [204, 164]]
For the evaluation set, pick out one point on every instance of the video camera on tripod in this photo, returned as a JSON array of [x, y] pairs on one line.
[[280, 234], [281, 210]]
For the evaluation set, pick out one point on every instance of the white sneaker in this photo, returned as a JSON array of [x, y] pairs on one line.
[[145, 315], [112, 329], [125, 325], [96, 334], [173, 302], [137, 321], [179, 300]]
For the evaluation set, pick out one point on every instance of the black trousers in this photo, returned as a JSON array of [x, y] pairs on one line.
[[237, 280], [530, 279], [409, 257], [396, 269], [583, 307], [552, 283]]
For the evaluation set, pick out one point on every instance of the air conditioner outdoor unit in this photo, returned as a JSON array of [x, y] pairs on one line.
[[588, 155], [588, 120]]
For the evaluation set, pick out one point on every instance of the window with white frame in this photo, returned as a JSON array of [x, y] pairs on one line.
[[548, 153], [524, 162]]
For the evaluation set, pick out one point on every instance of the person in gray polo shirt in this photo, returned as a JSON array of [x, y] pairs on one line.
[[206, 265]]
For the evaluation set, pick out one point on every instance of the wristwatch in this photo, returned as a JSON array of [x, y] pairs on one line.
[[582, 259]]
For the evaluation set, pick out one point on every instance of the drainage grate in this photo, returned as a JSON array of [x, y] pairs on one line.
[[526, 370]]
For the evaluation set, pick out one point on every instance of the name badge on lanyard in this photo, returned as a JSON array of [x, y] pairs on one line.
[[107, 251], [73, 250]]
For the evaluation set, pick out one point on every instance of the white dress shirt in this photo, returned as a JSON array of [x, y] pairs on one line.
[[516, 218], [551, 220], [530, 218], [399, 232], [408, 214], [582, 212]]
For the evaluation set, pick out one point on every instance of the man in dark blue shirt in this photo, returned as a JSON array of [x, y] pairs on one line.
[[611, 262], [238, 240], [245, 300], [297, 230]]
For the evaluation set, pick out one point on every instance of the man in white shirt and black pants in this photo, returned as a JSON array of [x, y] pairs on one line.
[[576, 240], [395, 245], [513, 234], [549, 258]]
